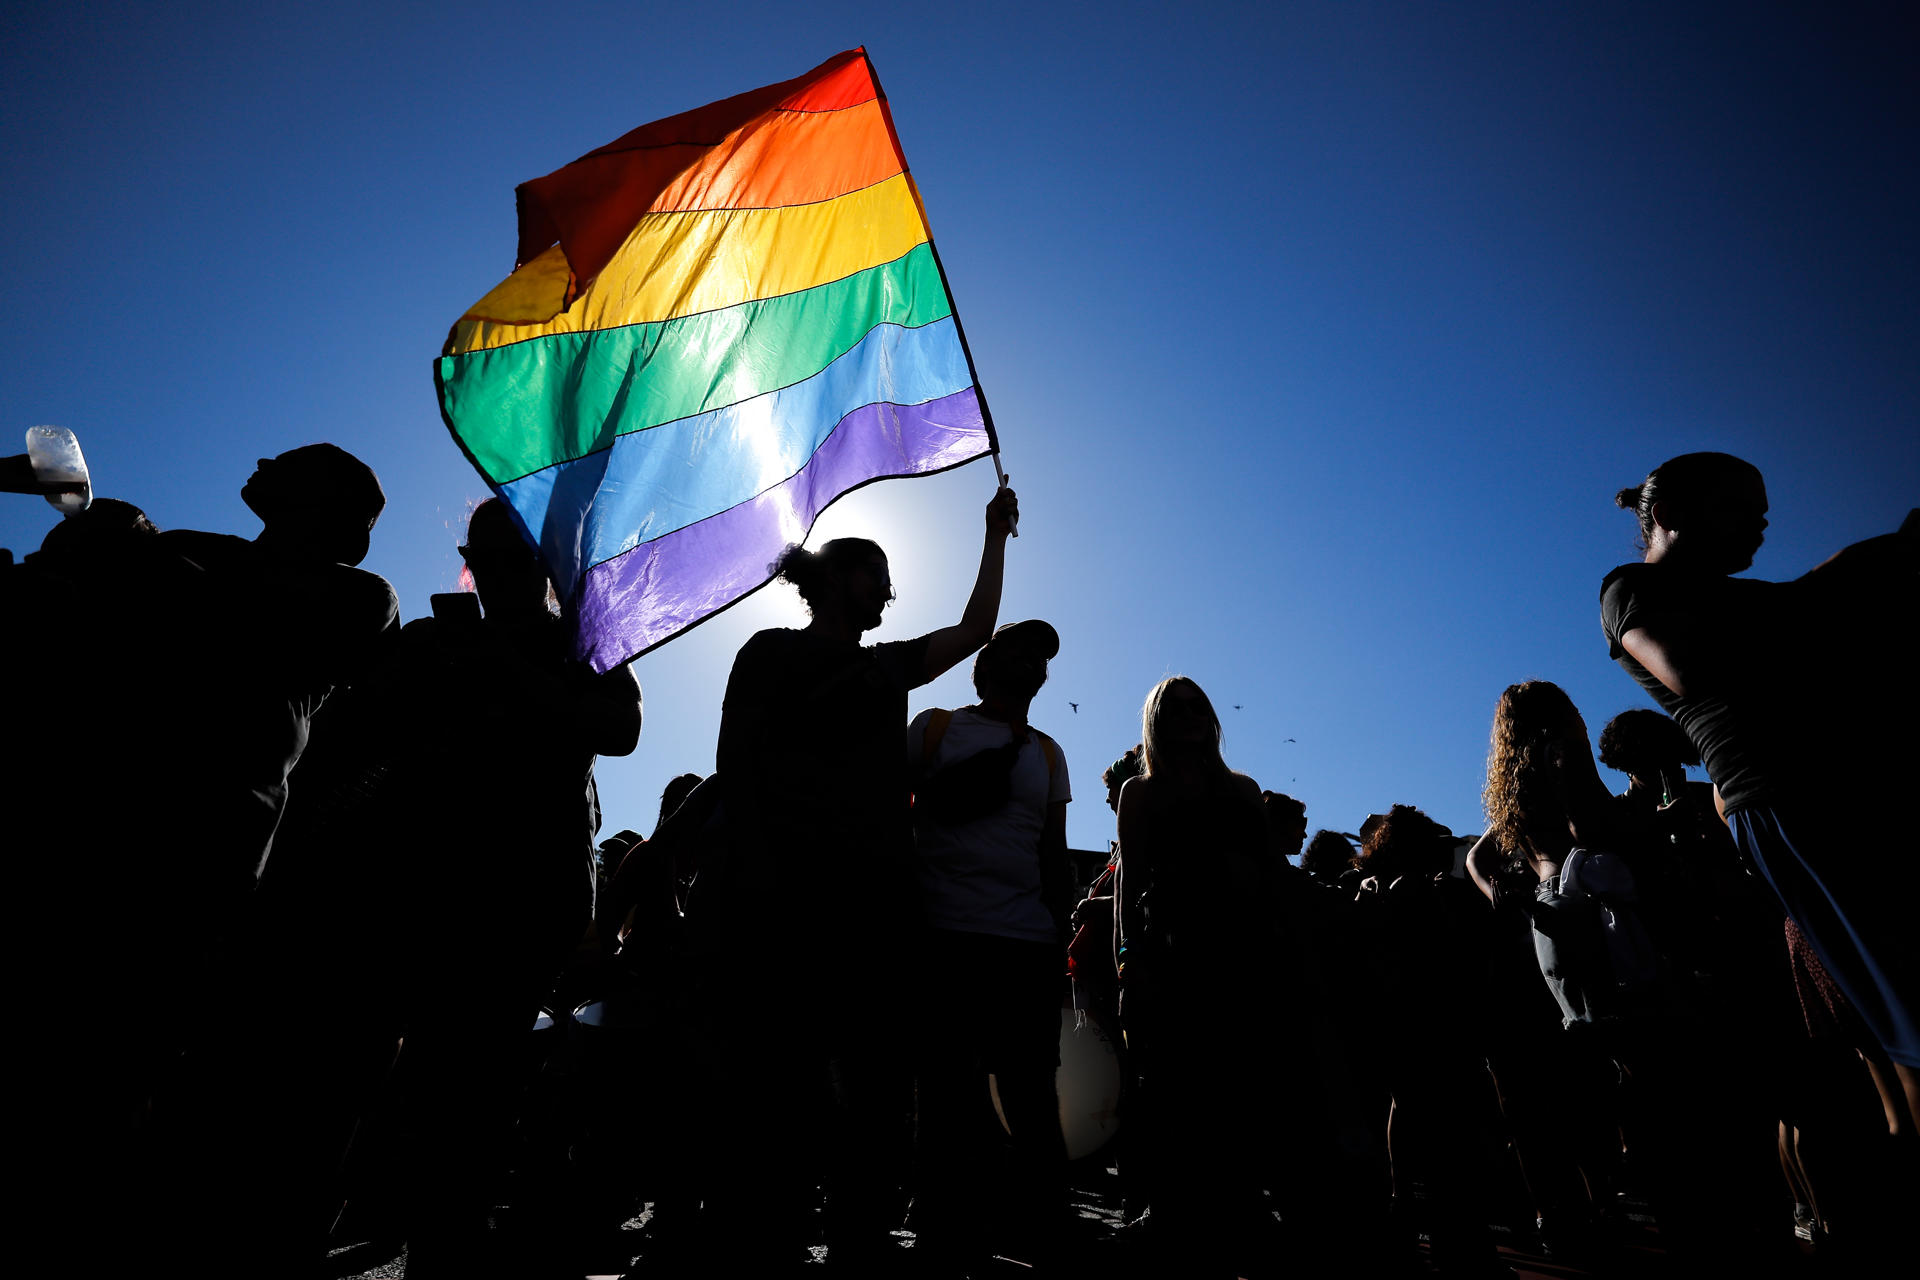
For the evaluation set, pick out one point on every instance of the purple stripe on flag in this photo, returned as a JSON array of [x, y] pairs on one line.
[[636, 600]]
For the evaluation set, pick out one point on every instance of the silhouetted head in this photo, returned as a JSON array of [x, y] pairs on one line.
[[1014, 662], [507, 573], [1539, 767], [1709, 509], [1117, 773], [1406, 842], [675, 795], [1178, 726], [617, 846], [1643, 744], [1286, 822], [318, 498], [847, 576], [1328, 855], [104, 529]]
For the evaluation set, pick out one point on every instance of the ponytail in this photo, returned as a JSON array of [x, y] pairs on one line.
[[1637, 498]]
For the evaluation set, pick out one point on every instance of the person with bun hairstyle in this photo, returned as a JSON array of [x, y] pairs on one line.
[[1780, 686], [811, 925]]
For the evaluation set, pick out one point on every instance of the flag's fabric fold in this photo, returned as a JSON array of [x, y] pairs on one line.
[[721, 322]]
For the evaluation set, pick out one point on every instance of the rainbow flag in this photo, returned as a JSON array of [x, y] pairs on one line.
[[720, 323]]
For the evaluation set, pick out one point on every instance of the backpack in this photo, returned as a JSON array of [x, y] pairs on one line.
[[974, 787]]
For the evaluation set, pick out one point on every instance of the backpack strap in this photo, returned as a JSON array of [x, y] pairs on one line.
[[940, 719]]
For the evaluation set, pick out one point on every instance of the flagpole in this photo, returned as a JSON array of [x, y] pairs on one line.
[[979, 392]]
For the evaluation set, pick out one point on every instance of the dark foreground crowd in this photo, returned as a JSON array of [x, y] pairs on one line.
[[323, 947]]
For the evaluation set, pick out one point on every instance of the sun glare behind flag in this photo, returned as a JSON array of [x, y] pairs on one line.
[[720, 323]]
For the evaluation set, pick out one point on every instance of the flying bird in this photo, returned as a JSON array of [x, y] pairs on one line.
[[1075, 706]]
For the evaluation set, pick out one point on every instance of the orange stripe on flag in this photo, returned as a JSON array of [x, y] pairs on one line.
[[787, 158], [591, 205]]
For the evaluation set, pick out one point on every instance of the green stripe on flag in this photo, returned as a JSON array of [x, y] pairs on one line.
[[526, 406]]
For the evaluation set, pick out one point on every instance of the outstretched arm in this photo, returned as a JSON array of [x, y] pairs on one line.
[[949, 645]]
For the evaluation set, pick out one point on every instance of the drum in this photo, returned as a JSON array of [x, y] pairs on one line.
[[1088, 1082]]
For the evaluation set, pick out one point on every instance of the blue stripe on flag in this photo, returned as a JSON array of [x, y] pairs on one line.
[[649, 483]]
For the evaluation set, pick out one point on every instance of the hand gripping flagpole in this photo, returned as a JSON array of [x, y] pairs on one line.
[[986, 414], [1013, 525]]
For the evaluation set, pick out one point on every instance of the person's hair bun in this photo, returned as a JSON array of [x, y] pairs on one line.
[[797, 565], [811, 571], [1628, 499]]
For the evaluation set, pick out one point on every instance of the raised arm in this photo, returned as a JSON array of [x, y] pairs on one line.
[[949, 645]]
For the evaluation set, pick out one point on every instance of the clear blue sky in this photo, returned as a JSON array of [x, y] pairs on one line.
[[1319, 335]]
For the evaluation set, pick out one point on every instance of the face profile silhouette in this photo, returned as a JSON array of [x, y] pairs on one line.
[[317, 501]]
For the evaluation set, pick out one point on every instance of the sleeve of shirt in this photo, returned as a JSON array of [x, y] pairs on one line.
[[360, 623], [1058, 789], [618, 689], [1624, 605], [917, 741], [383, 616], [751, 676], [904, 661], [746, 706]]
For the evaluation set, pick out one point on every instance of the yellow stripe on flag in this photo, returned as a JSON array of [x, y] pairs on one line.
[[677, 264]]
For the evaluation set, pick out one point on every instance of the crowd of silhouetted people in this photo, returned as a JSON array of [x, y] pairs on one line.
[[327, 946]]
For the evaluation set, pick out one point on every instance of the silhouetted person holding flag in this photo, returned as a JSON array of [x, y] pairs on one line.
[[812, 928]]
